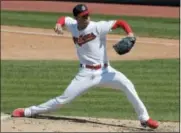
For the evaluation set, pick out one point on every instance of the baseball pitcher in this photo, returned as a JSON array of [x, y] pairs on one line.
[[89, 38]]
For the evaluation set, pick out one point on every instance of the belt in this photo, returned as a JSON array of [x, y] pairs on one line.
[[95, 67]]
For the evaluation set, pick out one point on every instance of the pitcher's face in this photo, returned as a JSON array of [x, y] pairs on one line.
[[83, 21]]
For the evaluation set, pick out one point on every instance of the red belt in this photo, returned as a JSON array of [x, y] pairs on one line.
[[95, 67]]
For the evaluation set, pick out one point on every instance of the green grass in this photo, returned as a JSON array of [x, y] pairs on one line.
[[26, 83], [142, 26]]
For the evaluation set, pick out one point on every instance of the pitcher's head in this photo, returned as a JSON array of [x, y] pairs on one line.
[[81, 14]]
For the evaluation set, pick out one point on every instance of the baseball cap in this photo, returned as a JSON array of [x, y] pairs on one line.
[[80, 9]]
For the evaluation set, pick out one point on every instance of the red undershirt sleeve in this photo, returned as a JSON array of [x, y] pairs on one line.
[[61, 21], [123, 24]]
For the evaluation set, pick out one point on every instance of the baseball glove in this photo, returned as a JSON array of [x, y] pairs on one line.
[[124, 45]]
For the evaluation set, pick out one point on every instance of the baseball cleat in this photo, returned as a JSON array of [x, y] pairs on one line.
[[18, 112], [150, 123]]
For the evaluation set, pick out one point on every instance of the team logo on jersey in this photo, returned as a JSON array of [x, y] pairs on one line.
[[84, 39]]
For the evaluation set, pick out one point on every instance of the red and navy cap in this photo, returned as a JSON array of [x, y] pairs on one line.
[[80, 10]]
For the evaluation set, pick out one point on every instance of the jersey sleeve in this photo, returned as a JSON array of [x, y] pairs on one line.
[[104, 27], [69, 23]]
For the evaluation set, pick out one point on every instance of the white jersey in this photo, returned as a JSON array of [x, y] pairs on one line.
[[90, 42]]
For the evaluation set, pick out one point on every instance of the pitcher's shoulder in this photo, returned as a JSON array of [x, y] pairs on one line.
[[92, 23], [70, 20]]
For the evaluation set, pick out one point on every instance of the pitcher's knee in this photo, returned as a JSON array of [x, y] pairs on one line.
[[130, 89], [127, 85], [64, 99]]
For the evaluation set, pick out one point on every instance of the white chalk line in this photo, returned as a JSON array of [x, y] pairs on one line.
[[69, 36]]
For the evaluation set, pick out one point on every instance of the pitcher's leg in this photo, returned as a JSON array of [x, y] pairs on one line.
[[76, 88], [118, 80], [129, 89]]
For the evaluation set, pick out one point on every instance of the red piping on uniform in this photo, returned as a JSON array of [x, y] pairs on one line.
[[123, 24], [61, 21]]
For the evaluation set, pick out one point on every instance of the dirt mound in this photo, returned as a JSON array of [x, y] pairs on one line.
[[80, 124]]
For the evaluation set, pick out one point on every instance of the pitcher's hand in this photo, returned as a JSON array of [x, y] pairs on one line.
[[130, 35], [58, 29]]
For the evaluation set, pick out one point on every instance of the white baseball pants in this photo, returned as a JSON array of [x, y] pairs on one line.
[[87, 78]]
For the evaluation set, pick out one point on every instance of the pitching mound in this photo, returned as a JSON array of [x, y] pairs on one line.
[[45, 123]]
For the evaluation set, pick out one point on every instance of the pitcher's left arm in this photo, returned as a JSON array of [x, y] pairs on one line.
[[124, 45], [124, 25]]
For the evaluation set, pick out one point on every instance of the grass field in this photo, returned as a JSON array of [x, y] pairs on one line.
[[142, 26], [25, 83]]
